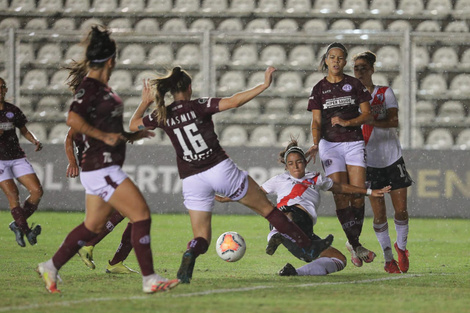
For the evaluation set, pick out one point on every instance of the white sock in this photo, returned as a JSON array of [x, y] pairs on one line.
[[383, 236], [321, 266], [402, 233], [272, 232]]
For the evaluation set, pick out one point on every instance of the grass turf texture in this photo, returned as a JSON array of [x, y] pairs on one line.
[[438, 280]]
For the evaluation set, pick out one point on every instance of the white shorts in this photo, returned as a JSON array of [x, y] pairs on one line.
[[103, 182], [225, 179], [336, 155], [10, 169]]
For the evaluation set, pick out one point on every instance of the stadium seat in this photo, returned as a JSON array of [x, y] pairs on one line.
[[233, 135], [4, 5], [245, 55], [444, 58], [198, 81], [130, 105], [58, 133], [25, 104], [459, 86], [342, 24], [35, 80], [231, 25], [58, 80], [26, 53], [439, 8], [120, 25], [231, 82], [77, 5], [258, 25], [286, 25], [301, 56], [380, 79], [75, 52], [388, 57], [300, 114], [120, 80], [410, 7], [87, 24], [248, 113], [465, 59], [242, 6], [202, 24], [420, 57], [139, 78], [50, 103], [220, 55], [375, 24], [397, 85], [214, 6], [147, 25], [382, 7], [22, 6], [10, 22], [50, 6], [399, 26], [159, 6], [131, 6], [174, 25], [132, 54], [451, 113], [462, 141], [315, 25], [461, 9], [433, 84], [270, 6], [188, 54], [37, 24], [351, 53], [50, 53], [263, 136], [104, 6], [439, 139], [186, 6], [292, 132], [160, 55], [312, 80], [276, 110], [257, 78], [288, 84], [425, 112], [354, 6], [326, 6], [64, 24], [428, 26], [273, 55], [298, 6], [417, 138], [38, 129], [457, 27]]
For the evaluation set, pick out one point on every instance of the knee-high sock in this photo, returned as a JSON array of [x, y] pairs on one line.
[[383, 236], [321, 266], [113, 220], [29, 208], [20, 219], [72, 243], [347, 218], [140, 239], [402, 233], [359, 214], [285, 226], [198, 246], [125, 247]]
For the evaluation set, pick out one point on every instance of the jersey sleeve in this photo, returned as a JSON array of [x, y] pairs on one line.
[[150, 121], [363, 95], [21, 119], [209, 105], [314, 101], [390, 99], [83, 100], [270, 185]]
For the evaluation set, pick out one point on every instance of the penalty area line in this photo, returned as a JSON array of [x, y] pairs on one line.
[[201, 293]]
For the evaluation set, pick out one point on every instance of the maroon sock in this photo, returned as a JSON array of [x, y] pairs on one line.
[[198, 245], [113, 220], [347, 219], [289, 228], [141, 243], [72, 243], [20, 219], [359, 217], [125, 247], [29, 209]]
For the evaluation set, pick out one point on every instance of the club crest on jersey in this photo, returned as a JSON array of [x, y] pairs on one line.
[[10, 115], [380, 97], [347, 87], [80, 93], [202, 100]]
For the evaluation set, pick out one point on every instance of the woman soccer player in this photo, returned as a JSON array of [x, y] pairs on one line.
[[96, 112], [385, 164], [204, 166], [13, 164], [340, 105]]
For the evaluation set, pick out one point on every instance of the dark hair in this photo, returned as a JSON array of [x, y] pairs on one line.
[[176, 80], [100, 47], [294, 147], [368, 56], [323, 67]]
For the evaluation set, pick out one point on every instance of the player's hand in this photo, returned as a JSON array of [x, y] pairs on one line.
[[379, 193], [113, 139], [268, 76], [311, 153], [38, 145], [131, 137], [223, 199], [147, 93], [72, 171], [335, 120]]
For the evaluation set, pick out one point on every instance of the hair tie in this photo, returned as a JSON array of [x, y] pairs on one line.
[[293, 149]]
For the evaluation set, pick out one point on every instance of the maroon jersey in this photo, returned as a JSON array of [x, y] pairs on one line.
[[11, 117], [80, 146], [191, 131], [100, 107], [339, 99]]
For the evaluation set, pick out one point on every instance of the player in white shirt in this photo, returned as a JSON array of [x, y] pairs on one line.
[[385, 164]]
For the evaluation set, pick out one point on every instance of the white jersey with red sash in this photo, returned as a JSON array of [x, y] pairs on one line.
[[382, 144], [304, 191]]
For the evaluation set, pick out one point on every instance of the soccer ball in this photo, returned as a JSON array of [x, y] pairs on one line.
[[230, 246]]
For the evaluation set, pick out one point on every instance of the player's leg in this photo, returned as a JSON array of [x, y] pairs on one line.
[[116, 266], [331, 260], [32, 184], [18, 226], [399, 201]]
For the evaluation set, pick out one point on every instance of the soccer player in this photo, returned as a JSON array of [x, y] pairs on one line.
[[204, 166], [96, 112], [340, 105], [385, 164], [13, 164]]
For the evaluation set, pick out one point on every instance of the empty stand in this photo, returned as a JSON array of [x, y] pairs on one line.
[[314, 25], [274, 55], [147, 25], [439, 139], [301, 56], [445, 58], [463, 140], [420, 57], [37, 24], [288, 84], [270, 6], [132, 54], [298, 6], [77, 5], [382, 7], [131, 6], [64, 24], [58, 133], [263, 136], [425, 112], [186, 6], [175, 25], [231, 25], [287, 25], [58, 80], [214, 6], [388, 57], [276, 110], [326, 6], [233, 135], [258, 25], [459, 86], [122, 24], [242, 6], [50, 53], [38, 129], [231, 82], [160, 55], [188, 54], [121, 80], [202, 24], [451, 113], [50, 6], [104, 6], [248, 113], [35, 80], [411, 7], [354, 6], [245, 55], [292, 132], [433, 84], [159, 6], [22, 5]]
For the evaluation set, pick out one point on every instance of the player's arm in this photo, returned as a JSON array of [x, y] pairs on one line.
[[350, 189], [239, 99], [364, 118], [136, 122], [390, 121], [316, 135], [31, 138], [72, 167]]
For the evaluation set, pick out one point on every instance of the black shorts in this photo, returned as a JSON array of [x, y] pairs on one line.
[[394, 175]]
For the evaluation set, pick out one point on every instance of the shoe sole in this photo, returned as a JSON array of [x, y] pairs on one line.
[[165, 285], [185, 272], [36, 232], [18, 234], [274, 243], [357, 262], [88, 263]]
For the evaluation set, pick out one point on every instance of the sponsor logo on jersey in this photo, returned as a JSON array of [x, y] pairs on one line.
[[80, 93], [326, 91], [338, 102], [7, 126], [347, 87]]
